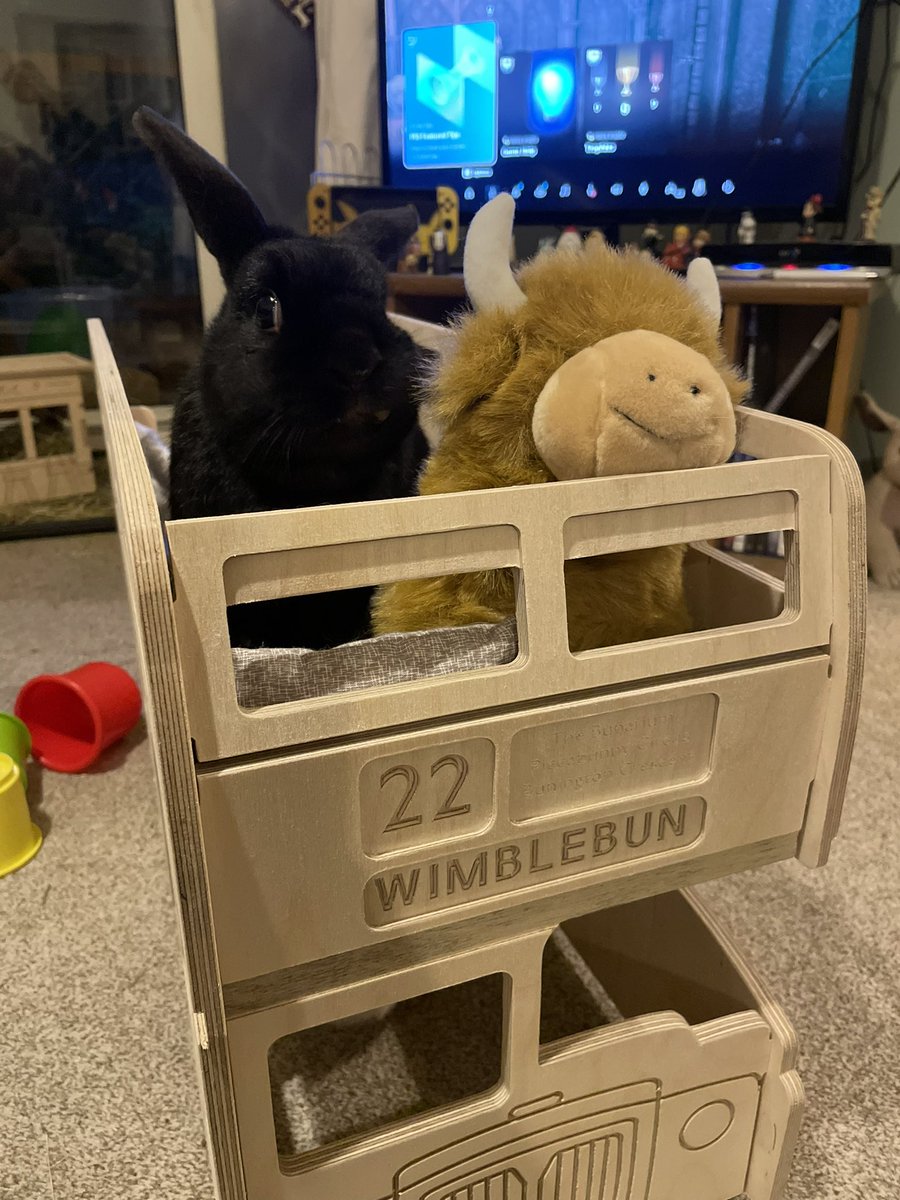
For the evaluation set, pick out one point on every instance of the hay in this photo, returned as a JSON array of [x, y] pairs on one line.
[[88, 507]]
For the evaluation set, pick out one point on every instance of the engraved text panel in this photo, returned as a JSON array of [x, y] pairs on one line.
[[524, 862], [567, 765]]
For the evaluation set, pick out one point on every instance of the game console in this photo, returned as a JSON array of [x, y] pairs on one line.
[[827, 273], [805, 260], [329, 207]]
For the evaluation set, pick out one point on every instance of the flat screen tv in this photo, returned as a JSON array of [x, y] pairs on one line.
[[623, 108]]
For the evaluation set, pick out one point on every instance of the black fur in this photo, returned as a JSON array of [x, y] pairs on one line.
[[321, 411]]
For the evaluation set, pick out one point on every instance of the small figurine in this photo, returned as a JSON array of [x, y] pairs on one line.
[[651, 238], [570, 240], [409, 257], [678, 252], [699, 242], [746, 230], [812, 210], [868, 226]]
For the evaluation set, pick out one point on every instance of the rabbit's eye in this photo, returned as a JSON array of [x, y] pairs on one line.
[[268, 312]]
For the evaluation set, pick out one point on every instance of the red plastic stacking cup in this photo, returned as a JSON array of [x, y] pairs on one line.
[[74, 717]]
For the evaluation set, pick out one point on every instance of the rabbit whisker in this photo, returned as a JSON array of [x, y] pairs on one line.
[[294, 443], [268, 434], [259, 437]]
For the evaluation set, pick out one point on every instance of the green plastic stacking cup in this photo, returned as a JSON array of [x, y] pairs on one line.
[[15, 740]]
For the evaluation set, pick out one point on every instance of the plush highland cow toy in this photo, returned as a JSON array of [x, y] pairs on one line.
[[599, 363]]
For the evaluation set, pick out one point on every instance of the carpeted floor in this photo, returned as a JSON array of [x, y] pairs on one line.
[[98, 1095]]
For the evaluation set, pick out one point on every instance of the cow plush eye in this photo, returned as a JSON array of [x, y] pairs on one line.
[[267, 313]]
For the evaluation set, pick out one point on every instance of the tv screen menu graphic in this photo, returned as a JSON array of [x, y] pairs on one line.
[[607, 100], [450, 96], [649, 105]]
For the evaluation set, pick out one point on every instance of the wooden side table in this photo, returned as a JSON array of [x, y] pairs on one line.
[[28, 383], [435, 297], [853, 297], [427, 297]]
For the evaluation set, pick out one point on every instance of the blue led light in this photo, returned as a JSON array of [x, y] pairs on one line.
[[834, 267], [748, 266]]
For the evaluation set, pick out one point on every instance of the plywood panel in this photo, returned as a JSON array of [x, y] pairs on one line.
[[671, 1110], [216, 559], [290, 836]]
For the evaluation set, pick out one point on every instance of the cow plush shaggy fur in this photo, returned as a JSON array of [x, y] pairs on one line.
[[483, 400]]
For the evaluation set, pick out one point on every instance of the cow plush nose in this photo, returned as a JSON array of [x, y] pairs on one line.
[[675, 409]]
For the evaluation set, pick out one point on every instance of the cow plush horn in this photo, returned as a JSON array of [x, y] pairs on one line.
[[703, 282], [490, 282]]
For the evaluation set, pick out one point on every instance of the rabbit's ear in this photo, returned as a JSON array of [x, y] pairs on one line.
[[222, 210], [384, 231]]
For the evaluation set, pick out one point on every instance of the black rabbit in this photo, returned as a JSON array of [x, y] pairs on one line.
[[305, 393]]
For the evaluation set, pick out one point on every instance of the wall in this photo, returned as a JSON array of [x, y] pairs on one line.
[[268, 68]]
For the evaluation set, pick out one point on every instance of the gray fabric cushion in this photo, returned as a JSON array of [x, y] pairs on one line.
[[338, 1080], [275, 676], [157, 456]]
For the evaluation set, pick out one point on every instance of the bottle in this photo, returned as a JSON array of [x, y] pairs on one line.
[[440, 260]]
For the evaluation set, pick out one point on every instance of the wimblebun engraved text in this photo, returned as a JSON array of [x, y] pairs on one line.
[[521, 863]]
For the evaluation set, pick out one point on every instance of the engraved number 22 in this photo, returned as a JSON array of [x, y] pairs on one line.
[[410, 776]]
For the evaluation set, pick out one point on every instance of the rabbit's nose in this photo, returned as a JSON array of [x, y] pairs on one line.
[[363, 370]]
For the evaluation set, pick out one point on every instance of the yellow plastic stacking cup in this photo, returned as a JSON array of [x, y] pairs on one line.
[[20, 840], [15, 740]]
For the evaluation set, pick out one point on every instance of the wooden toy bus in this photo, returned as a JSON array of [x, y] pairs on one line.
[[336, 854]]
